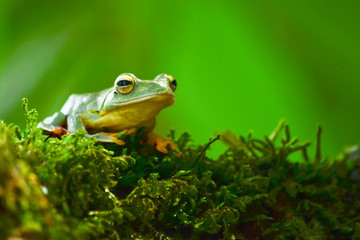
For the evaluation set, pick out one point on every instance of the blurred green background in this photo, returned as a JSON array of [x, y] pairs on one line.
[[240, 65]]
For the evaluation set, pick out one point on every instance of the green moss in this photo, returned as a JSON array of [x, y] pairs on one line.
[[75, 188]]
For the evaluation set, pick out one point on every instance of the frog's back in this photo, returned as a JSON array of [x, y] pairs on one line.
[[80, 103]]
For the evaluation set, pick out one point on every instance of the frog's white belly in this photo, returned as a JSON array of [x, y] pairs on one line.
[[117, 123], [136, 115]]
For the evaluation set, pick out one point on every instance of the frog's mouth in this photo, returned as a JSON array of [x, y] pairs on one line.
[[166, 99]]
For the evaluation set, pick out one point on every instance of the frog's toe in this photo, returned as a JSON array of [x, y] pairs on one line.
[[161, 144], [161, 147]]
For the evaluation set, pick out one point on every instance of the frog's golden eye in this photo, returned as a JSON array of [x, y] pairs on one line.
[[173, 83], [124, 84]]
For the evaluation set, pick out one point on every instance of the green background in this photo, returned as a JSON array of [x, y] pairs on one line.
[[240, 65]]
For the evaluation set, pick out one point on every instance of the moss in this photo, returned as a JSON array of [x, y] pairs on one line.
[[75, 188]]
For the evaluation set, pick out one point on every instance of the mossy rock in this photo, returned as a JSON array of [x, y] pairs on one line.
[[75, 188]]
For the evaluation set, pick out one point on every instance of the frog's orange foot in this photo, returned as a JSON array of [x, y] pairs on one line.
[[161, 144], [57, 130], [60, 131]]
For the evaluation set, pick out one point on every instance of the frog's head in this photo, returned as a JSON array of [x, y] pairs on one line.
[[129, 90]]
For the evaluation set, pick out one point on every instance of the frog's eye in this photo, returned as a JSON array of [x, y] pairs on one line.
[[173, 83], [124, 84]]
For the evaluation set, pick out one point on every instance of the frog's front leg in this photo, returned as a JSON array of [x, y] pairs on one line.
[[54, 123], [112, 137], [75, 122]]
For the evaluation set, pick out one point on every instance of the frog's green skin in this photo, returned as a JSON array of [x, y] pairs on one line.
[[106, 113]]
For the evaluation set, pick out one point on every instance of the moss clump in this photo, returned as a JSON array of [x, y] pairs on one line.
[[74, 188]]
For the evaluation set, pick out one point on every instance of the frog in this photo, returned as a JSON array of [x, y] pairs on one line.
[[120, 110]]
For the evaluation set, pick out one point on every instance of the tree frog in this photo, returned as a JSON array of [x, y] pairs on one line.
[[130, 104]]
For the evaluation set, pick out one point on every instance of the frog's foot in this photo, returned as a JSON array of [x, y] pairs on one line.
[[113, 137], [61, 130], [55, 129], [160, 143]]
